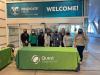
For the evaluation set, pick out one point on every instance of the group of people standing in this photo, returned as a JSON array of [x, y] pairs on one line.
[[52, 39], [55, 39]]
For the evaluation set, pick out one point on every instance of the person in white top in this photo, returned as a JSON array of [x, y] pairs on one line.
[[67, 40], [46, 39]]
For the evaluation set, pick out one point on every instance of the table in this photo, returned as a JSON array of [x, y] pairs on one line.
[[48, 58], [5, 57]]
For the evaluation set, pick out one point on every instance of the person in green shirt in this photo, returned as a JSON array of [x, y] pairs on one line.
[[33, 38]]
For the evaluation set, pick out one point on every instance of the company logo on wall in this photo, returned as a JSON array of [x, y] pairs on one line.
[[15, 10], [42, 59]]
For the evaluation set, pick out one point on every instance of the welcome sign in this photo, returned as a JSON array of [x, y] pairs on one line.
[[70, 8]]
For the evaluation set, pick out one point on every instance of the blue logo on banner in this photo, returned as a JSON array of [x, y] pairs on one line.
[[15, 10]]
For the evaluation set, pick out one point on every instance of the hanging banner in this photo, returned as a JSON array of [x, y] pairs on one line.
[[24, 10], [70, 8], [63, 9]]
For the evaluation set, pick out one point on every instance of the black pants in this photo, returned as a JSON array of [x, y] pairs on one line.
[[51, 42], [62, 44], [80, 51], [33, 44]]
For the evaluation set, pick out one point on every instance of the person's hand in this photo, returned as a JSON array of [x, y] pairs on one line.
[[26, 41]]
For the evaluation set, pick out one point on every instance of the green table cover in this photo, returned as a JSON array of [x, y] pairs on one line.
[[47, 58], [5, 57]]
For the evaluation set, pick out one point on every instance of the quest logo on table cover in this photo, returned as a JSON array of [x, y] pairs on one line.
[[43, 59]]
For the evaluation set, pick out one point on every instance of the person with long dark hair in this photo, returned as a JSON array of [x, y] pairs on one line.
[[62, 34], [80, 42], [33, 39]]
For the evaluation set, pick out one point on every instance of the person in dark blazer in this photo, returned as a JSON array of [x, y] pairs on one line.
[[25, 38], [41, 39]]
